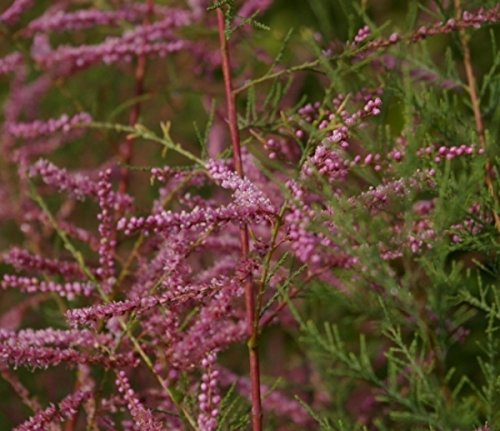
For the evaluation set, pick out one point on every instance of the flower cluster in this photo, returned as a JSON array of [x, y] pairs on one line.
[[209, 398], [54, 337], [362, 34], [66, 409], [10, 63], [245, 193], [30, 284], [249, 204], [155, 39], [330, 158], [24, 260], [143, 417], [77, 185], [12, 14], [87, 18], [474, 19], [32, 350], [38, 128], [449, 153], [213, 328], [107, 245]]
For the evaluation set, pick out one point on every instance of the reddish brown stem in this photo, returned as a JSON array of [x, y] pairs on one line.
[[268, 318], [20, 390], [476, 108], [126, 149], [244, 239]]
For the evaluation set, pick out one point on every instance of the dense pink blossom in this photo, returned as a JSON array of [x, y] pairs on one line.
[[143, 418], [362, 34], [79, 185], [107, 245], [11, 15], [442, 153], [469, 19], [197, 218], [249, 204], [39, 128], [80, 316], [22, 355], [24, 260], [208, 397], [330, 159], [212, 329], [61, 180], [245, 193], [53, 337], [68, 290], [150, 39], [315, 248], [66, 409], [10, 63], [378, 197], [85, 18]]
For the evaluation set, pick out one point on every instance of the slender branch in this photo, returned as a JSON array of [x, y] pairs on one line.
[[20, 389], [267, 263], [306, 66], [126, 149], [244, 237], [293, 293], [140, 131], [268, 318], [474, 98]]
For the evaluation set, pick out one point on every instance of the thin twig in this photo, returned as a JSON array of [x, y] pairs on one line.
[[244, 238], [20, 390], [126, 149], [301, 67], [476, 108], [294, 292]]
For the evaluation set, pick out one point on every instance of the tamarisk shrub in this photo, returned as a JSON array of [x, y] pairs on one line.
[[212, 221]]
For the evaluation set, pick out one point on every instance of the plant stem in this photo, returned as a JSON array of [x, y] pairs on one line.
[[20, 390], [126, 149], [244, 239], [301, 67], [476, 108]]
